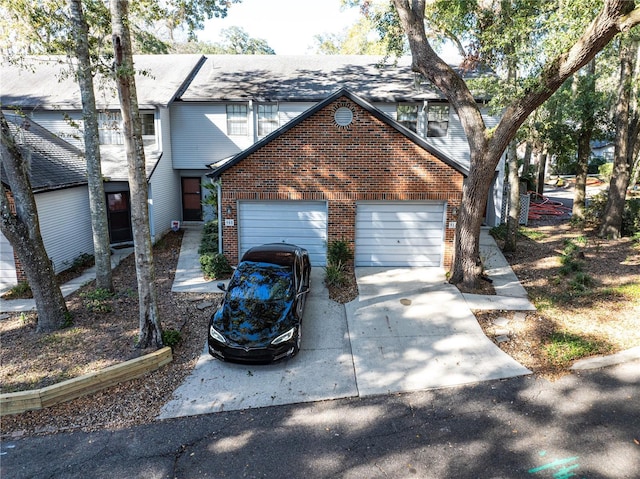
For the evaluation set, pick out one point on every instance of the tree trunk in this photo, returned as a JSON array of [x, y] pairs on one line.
[[513, 219], [586, 89], [612, 218], [542, 168], [22, 229], [526, 159], [486, 146], [150, 332], [99, 221], [582, 169]]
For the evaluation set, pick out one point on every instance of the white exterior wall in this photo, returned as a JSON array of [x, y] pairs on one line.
[[65, 224], [164, 185], [199, 132], [199, 135], [8, 278]]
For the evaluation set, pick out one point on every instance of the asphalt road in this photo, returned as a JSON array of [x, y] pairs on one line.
[[585, 425]]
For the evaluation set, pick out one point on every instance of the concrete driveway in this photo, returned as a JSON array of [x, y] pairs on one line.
[[408, 330], [411, 330], [323, 369]]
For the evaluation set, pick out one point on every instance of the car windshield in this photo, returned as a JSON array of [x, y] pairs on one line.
[[260, 282]]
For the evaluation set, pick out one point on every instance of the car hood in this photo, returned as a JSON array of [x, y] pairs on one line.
[[252, 323]]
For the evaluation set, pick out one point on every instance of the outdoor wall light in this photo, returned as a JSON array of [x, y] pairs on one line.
[[229, 210], [454, 212]]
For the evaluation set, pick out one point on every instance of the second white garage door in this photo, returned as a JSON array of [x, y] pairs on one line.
[[303, 223], [400, 233]]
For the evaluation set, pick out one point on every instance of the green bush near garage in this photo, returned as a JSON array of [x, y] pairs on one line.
[[209, 242]]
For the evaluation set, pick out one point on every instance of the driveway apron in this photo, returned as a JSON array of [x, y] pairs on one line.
[[411, 330]]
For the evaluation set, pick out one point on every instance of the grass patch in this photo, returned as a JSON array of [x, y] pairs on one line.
[[533, 234], [562, 348]]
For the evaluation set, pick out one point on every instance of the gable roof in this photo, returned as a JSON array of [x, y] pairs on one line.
[[221, 167], [309, 78], [54, 163], [45, 82]]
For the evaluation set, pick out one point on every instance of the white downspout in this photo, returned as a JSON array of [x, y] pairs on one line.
[[219, 192]]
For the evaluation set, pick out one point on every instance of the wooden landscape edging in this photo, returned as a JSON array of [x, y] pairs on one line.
[[22, 401]]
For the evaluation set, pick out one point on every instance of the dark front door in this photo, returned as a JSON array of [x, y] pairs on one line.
[[119, 214], [191, 199]]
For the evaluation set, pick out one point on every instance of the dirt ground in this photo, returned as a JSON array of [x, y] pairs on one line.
[[601, 311], [99, 339]]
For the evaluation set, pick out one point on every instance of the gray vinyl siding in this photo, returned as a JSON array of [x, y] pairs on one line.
[[164, 185], [65, 224], [55, 122], [199, 132], [288, 111], [199, 135]]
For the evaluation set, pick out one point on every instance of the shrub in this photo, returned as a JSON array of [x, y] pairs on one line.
[[85, 260], [338, 251], [19, 291], [209, 243], [605, 171], [631, 217], [581, 282], [98, 300], [171, 337], [630, 214], [215, 265], [335, 275]]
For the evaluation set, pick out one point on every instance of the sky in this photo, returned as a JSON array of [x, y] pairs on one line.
[[288, 26]]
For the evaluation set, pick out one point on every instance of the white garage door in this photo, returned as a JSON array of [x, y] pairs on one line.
[[302, 223], [400, 233]]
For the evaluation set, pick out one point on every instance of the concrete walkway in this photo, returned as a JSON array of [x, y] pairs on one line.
[[510, 295]]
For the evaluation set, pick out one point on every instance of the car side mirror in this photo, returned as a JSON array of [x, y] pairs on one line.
[[221, 287]]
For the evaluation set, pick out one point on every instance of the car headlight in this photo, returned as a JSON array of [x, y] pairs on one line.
[[284, 337], [213, 332]]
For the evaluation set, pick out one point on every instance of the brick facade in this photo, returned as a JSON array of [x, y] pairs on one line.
[[21, 276], [318, 160]]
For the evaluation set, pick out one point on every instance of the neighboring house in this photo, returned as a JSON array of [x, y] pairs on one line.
[[45, 92], [602, 149], [58, 177], [203, 113]]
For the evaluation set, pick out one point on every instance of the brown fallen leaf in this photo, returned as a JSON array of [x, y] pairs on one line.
[[636, 440]]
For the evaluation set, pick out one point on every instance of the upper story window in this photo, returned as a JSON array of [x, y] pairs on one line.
[[148, 124], [437, 119], [110, 128], [407, 115], [237, 123], [267, 119]]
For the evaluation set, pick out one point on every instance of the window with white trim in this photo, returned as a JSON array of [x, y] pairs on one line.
[[148, 124], [237, 123], [110, 128], [407, 115], [267, 119], [437, 119]]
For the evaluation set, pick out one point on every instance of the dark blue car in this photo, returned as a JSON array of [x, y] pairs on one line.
[[260, 318]]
